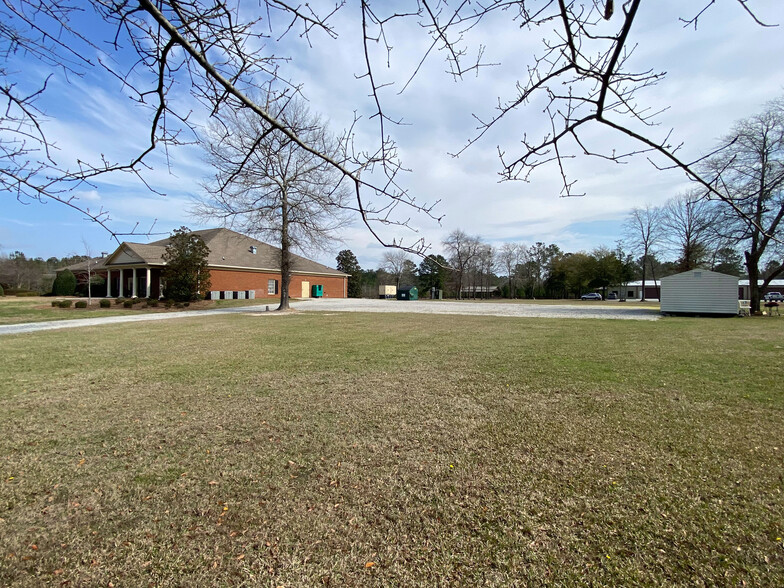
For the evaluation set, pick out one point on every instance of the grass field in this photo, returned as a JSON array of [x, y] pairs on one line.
[[393, 450], [34, 309]]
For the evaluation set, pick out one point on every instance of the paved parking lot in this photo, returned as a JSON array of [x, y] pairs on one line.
[[611, 310]]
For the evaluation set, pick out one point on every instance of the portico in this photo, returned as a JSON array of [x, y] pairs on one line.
[[134, 271], [134, 282]]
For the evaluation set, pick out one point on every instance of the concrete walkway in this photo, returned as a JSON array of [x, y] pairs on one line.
[[110, 320]]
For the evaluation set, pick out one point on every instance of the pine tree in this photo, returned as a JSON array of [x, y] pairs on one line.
[[348, 264]]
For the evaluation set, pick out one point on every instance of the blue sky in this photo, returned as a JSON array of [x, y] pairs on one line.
[[724, 71]]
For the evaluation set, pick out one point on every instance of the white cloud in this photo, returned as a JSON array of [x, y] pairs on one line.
[[723, 71]]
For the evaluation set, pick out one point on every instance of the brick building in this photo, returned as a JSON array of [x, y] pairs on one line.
[[237, 263]]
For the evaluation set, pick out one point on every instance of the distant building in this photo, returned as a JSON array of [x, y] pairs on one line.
[[479, 291], [633, 290], [744, 288]]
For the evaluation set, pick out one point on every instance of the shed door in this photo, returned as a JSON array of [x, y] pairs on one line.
[[306, 289]]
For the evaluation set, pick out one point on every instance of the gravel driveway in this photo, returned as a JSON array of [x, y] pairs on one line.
[[366, 305], [577, 310]]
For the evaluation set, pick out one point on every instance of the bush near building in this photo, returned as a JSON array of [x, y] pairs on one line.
[[64, 284]]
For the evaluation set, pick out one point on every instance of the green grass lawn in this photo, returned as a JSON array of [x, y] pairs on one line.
[[34, 309], [337, 449]]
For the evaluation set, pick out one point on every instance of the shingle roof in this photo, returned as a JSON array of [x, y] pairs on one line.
[[96, 263], [229, 249]]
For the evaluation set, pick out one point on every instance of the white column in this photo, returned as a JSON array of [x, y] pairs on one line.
[[149, 276], [122, 289], [133, 289], [108, 283]]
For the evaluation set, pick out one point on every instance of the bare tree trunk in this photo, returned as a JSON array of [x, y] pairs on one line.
[[754, 292], [89, 284], [655, 285], [644, 272], [285, 253]]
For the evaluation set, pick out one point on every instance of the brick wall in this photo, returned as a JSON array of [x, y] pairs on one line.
[[334, 287]]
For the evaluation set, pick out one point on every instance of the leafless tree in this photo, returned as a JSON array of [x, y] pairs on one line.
[[510, 255], [688, 224], [267, 185], [89, 254], [643, 229], [217, 52], [461, 250], [584, 75], [485, 265], [750, 177], [396, 263]]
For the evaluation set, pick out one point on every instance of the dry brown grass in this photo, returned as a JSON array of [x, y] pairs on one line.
[[393, 450]]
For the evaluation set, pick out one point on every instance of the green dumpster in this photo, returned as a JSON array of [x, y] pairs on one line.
[[317, 291], [408, 293]]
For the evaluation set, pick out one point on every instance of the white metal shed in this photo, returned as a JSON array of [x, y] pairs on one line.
[[700, 292]]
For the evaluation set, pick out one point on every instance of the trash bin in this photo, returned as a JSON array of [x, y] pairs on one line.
[[408, 293], [317, 291]]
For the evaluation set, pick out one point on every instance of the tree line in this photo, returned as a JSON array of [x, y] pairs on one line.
[[472, 268], [19, 273]]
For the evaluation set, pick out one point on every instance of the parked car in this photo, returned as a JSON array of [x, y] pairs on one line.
[[773, 297], [612, 296], [591, 296]]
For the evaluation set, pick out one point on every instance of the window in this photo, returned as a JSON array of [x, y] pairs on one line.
[[272, 286]]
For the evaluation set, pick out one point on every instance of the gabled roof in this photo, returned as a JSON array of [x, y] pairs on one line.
[[96, 264], [228, 249]]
